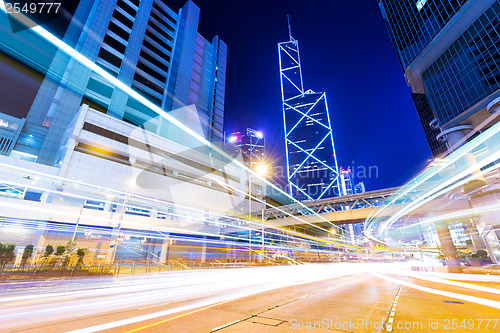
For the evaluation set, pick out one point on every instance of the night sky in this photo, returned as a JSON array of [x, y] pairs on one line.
[[345, 51]]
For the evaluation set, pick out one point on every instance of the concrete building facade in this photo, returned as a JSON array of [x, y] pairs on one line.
[[145, 45]]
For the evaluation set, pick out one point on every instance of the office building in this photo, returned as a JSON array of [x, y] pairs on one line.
[[449, 51], [359, 188], [10, 128], [310, 151], [144, 44], [429, 125], [346, 181], [450, 54], [120, 179], [252, 146]]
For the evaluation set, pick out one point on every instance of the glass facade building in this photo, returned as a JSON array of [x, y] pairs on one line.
[[426, 117], [311, 161], [147, 46], [413, 24], [252, 146], [468, 71], [449, 51]]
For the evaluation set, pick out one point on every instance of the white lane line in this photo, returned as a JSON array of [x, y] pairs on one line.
[[390, 320], [226, 325], [467, 298]]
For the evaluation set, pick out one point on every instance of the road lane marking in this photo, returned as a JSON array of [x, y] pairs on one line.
[[176, 317], [226, 325], [467, 298], [209, 302]]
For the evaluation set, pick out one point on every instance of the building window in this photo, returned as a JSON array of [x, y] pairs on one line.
[[109, 57], [468, 71]]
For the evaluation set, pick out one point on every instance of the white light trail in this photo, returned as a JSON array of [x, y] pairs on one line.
[[467, 298], [452, 283], [203, 287], [132, 93]]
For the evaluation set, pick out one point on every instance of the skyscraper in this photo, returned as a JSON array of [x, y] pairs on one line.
[[252, 146], [430, 126], [449, 51], [311, 161], [147, 46]]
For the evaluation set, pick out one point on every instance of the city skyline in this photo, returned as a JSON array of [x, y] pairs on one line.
[[144, 185], [340, 74], [354, 62]]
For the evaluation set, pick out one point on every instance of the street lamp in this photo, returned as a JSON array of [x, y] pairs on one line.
[[129, 185], [78, 221], [261, 169], [333, 231]]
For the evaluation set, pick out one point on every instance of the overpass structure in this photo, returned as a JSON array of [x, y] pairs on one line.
[[354, 208]]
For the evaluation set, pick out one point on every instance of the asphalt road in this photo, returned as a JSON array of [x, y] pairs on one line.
[[317, 298]]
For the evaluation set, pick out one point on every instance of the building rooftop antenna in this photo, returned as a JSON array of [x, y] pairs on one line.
[[289, 27]]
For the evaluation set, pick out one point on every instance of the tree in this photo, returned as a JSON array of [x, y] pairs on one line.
[[28, 251], [49, 249], [80, 253], [60, 250], [6, 253]]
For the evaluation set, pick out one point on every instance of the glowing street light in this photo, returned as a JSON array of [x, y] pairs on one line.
[[261, 169]]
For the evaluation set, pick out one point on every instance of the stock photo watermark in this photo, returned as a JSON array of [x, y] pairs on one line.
[[446, 324]]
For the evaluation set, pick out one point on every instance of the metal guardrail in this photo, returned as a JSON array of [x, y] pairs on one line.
[[11, 273]]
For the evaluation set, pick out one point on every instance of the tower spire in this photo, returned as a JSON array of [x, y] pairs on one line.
[[289, 27]]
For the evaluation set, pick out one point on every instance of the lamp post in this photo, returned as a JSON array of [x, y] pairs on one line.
[[78, 221], [113, 244], [333, 231], [261, 169], [343, 240]]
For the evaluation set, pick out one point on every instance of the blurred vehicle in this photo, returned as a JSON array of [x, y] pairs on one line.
[[490, 269]]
